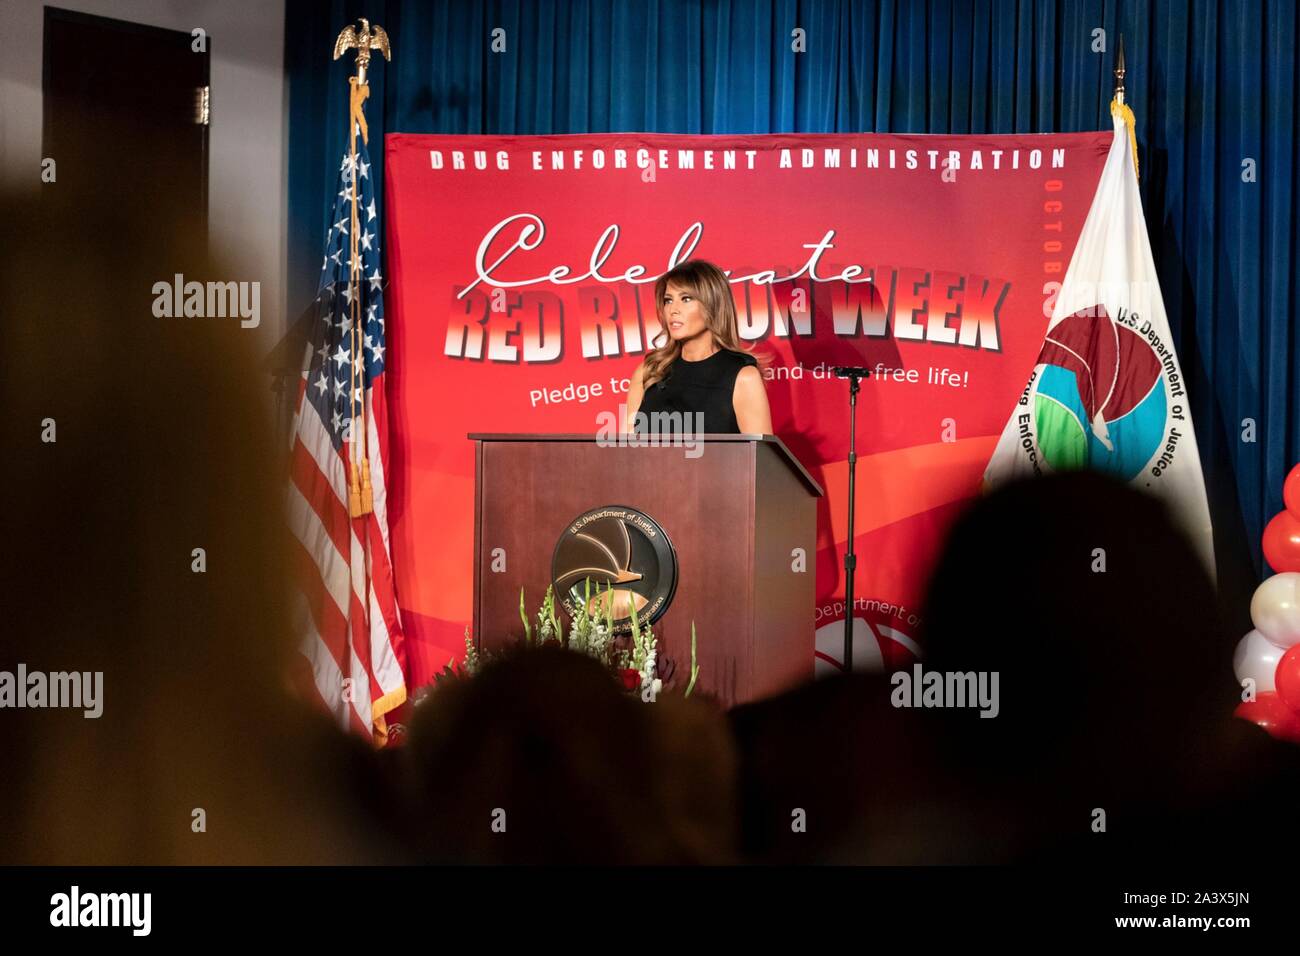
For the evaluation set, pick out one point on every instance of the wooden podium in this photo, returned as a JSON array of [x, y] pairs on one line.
[[735, 515]]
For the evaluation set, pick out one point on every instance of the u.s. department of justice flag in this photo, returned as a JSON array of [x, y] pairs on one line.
[[1107, 392]]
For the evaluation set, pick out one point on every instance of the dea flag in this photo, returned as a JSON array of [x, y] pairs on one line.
[[1107, 392]]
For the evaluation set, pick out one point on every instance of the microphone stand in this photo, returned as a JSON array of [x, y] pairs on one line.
[[855, 374]]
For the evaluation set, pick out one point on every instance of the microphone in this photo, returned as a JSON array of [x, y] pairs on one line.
[[851, 371]]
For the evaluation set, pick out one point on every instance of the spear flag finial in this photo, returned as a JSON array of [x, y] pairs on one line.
[[1119, 72]]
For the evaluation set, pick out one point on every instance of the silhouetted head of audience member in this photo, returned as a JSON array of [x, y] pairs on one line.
[[825, 770], [541, 758], [145, 542], [1114, 682]]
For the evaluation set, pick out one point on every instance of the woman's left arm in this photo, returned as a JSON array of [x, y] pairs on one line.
[[749, 400]]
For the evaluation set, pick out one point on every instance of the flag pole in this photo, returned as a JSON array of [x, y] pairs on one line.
[[360, 494]]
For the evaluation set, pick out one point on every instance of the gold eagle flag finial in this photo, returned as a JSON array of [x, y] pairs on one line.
[[369, 38]]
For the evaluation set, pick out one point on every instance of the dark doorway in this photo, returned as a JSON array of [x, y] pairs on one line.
[[125, 116]]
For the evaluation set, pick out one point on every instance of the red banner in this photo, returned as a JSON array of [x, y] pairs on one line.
[[521, 294]]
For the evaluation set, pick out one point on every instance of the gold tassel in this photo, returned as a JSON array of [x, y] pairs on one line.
[[354, 495], [1130, 121], [356, 107], [367, 495]]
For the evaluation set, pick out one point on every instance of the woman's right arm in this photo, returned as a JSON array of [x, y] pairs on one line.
[[635, 393]]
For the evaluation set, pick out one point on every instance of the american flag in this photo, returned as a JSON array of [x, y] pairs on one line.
[[348, 619]]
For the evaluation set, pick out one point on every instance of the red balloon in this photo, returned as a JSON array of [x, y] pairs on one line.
[[1287, 678], [1291, 491], [1282, 542], [1268, 712]]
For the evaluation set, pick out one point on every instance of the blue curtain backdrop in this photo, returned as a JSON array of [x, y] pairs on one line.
[[1214, 85]]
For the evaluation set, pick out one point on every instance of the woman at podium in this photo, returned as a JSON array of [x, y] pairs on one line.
[[699, 378]]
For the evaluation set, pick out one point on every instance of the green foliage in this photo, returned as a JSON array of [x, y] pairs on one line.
[[523, 616], [472, 662], [548, 623], [643, 644], [609, 607], [588, 634], [695, 667]]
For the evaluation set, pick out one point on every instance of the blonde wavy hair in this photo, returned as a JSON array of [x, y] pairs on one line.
[[711, 289]]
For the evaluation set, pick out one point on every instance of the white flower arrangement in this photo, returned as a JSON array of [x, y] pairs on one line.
[[588, 634]]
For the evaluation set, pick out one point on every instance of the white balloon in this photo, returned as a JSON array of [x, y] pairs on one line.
[[1275, 608], [1256, 657]]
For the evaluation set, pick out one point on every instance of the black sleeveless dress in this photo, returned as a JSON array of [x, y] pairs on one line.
[[705, 386]]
